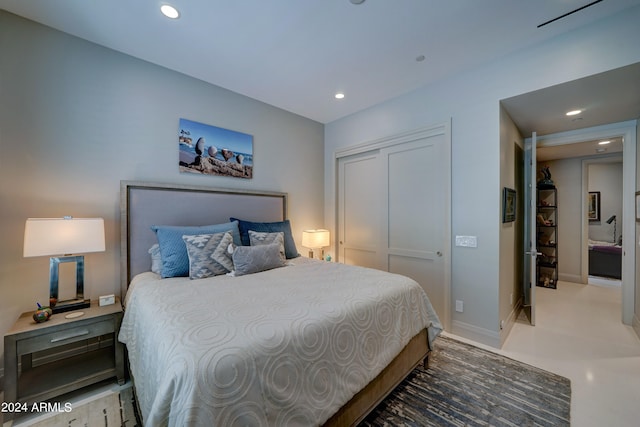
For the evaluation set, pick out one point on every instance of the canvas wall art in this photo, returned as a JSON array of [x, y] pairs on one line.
[[210, 150], [508, 205]]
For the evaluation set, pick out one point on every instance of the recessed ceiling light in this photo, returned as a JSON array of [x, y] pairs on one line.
[[169, 11], [604, 142], [339, 95], [574, 112]]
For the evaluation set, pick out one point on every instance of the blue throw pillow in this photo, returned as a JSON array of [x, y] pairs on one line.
[[173, 251], [269, 227]]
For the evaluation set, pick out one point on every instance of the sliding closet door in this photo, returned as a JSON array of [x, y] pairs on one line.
[[394, 209], [415, 215], [360, 203]]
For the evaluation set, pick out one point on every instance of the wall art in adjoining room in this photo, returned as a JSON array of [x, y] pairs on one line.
[[594, 206], [210, 150]]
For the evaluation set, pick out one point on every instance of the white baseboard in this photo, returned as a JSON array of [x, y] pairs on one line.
[[472, 332], [573, 278], [510, 321]]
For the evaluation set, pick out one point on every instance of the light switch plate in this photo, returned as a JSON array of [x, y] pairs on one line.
[[467, 241]]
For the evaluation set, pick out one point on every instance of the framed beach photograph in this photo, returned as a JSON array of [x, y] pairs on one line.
[[210, 150], [593, 210], [508, 205]]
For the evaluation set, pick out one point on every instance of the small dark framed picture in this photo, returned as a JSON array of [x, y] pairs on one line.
[[638, 206], [508, 205], [594, 206]]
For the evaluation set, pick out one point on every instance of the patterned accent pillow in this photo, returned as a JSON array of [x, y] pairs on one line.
[[259, 238], [208, 254], [175, 260], [253, 259]]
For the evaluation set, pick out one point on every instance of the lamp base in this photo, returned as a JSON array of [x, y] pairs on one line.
[[70, 305]]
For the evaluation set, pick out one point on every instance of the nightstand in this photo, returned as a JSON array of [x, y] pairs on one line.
[[28, 382]]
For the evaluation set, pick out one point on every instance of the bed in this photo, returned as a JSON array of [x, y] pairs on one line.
[[308, 343], [605, 259]]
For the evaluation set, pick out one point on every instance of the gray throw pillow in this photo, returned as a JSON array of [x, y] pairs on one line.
[[253, 259], [262, 238], [208, 254]]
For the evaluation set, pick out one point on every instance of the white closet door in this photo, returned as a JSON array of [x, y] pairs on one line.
[[359, 212], [394, 209], [416, 215]]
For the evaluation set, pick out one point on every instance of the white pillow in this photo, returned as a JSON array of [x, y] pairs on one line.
[[156, 259]]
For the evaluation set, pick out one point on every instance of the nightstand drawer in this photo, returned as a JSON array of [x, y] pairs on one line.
[[72, 334]]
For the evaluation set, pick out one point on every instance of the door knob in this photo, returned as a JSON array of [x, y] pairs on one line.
[[439, 253]]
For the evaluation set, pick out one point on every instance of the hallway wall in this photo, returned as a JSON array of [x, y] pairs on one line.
[[607, 179]]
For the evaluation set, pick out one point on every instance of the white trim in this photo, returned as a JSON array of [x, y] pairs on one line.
[[626, 130], [573, 278], [443, 128], [475, 333]]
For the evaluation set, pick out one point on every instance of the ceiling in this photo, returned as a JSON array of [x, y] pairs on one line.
[[604, 98], [579, 149], [296, 54]]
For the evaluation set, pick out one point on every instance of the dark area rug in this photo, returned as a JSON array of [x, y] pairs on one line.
[[463, 386], [468, 386]]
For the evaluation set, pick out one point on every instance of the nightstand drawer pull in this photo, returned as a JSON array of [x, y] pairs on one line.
[[66, 337]]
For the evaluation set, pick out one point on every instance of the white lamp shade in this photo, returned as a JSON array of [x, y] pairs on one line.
[[63, 236], [314, 239]]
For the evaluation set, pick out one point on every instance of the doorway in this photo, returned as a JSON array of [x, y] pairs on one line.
[[627, 132]]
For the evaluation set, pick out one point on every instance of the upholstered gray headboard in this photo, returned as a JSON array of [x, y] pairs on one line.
[[144, 204]]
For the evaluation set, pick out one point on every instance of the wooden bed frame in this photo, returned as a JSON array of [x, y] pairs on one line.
[[143, 204]]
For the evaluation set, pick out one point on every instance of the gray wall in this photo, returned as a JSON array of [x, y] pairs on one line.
[[76, 118], [471, 101]]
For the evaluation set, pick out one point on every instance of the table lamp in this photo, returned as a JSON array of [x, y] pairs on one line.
[[315, 239], [613, 220], [64, 236]]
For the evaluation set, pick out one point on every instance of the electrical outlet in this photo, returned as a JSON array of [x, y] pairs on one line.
[[501, 324], [459, 306]]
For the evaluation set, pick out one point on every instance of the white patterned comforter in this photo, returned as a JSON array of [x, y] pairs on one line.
[[288, 346]]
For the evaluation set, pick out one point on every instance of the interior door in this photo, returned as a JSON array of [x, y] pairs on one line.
[[415, 215], [530, 244], [359, 201]]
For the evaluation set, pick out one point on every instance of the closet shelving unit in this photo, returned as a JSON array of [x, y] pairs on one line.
[[547, 237]]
